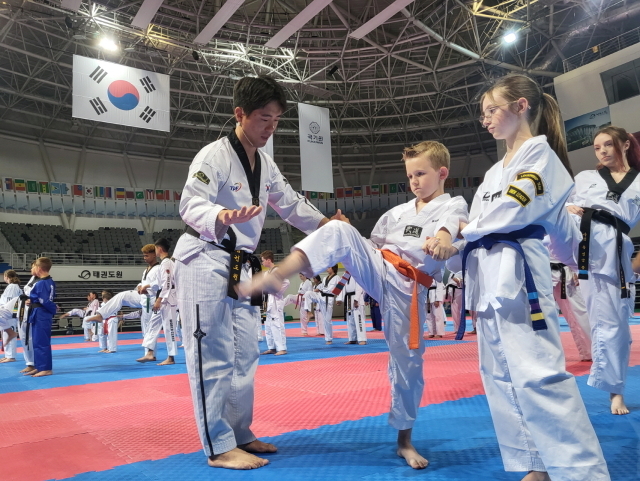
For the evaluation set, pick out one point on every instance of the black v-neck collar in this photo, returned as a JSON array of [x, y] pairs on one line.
[[253, 177], [616, 189]]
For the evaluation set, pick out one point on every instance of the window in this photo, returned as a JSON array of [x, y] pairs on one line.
[[622, 82]]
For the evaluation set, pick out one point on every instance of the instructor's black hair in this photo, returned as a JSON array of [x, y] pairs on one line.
[[164, 244], [252, 93]]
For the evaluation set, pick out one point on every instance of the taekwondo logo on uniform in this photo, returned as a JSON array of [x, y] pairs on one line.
[[236, 187], [614, 196], [119, 94], [491, 197], [636, 201], [412, 231], [267, 187]]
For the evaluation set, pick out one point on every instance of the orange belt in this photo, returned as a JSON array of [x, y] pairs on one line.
[[407, 270]]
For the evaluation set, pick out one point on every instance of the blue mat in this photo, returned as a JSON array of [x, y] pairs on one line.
[[457, 437]]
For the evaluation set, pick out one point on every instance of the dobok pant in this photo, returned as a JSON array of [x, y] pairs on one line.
[[340, 242], [221, 349], [435, 320], [164, 319], [356, 322], [574, 311], [610, 333], [539, 417]]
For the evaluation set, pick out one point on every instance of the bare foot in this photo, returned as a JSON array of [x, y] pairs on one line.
[[350, 342], [408, 452], [269, 351], [28, 369], [439, 336], [8, 359], [431, 336], [43, 373], [320, 335], [146, 358], [617, 404], [304, 334], [281, 353], [236, 459], [33, 372], [536, 476], [329, 342], [362, 343], [258, 446], [168, 361], [11, 335]]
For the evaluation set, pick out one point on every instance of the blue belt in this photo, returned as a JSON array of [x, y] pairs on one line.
[[511, 239]]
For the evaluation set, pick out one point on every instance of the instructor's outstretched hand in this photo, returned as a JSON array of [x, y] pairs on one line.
[[235, 216]]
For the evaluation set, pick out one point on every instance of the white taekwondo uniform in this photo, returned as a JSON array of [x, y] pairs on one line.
[[165, 318], [113, 323], [309, 302], [124, 298], [608, 312], [298, 300], [324, 299], [436, 317], [353, 297], [24, 328], [572, 305], [89, 311], [274, 330], [150, 320], [102, 331], [540, 419], [10, 292], [454, 292], [221, 333], [402, 231]]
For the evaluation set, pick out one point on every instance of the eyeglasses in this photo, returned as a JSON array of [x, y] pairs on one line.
[[488, 113]]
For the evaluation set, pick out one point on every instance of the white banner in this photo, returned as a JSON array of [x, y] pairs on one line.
[[117, 94], [315, 148]]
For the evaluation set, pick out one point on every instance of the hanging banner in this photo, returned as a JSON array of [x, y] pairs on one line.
[[315, 148], [116, 94]]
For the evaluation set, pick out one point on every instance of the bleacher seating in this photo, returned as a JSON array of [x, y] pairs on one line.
[[51, 238], [270, 240], [172, 235]]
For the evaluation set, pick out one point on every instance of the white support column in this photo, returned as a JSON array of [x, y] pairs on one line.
[[65, 220], [46, 162]]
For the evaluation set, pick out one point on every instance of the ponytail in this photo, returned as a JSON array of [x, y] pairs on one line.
[[551, 126], [12, 276], [633, 154], [543, 110]]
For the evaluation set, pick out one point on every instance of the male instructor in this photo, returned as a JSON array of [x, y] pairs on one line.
[[224, 205]]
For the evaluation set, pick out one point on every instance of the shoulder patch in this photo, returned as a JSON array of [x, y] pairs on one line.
[[202, 177], [519, 195], [533, 177]]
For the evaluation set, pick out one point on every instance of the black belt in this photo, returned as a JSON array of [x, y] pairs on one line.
[[237, 259], [326, 298], [347, 303], [559, 266], [621, 227], [449, 295], [429, 298]]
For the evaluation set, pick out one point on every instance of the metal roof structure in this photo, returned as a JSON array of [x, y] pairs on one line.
[[388, 82]]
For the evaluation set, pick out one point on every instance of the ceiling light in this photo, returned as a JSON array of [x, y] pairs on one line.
[[510, 37], [108, 44], [79, 36]]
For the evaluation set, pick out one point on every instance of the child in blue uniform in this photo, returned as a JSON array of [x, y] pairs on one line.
[[41, 311]]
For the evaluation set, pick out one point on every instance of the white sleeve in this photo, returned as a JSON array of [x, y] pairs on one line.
[[506, 214], [440, 291], [132, 315], [198, 207], [457, 212], [291, 206], [166, 276]]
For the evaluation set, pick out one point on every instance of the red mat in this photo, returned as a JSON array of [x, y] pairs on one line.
[[98, 426]]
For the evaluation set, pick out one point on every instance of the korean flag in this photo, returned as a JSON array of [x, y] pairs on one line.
[[117, 94]]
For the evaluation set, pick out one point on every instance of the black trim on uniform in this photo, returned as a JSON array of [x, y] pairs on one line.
[[253, 176], [616, 189], [559, 266], [199, 334]]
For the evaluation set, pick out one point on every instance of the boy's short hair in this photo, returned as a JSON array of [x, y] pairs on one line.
[[253, 93], [106, 295], [163, 243], [335, 269], [268, 255], [44, 263], [148, 249], [438, 154]]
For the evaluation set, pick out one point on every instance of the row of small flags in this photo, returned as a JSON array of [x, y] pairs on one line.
[[87, 191], [385, 189]]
